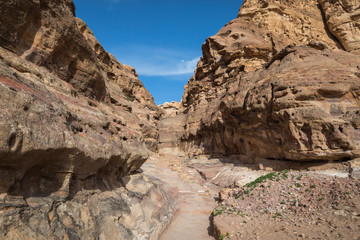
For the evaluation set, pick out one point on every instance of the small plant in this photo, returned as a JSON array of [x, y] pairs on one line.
[[321, 198], [226, 210], [270, 176], [227, 234], [312, 186], [221, 237], [306, 190], [299, 177], [284, 176], [297, 184], [277, 214], [244, 221], [347, 193], [282, 202], [217, 212]]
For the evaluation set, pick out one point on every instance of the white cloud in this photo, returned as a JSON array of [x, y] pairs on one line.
[[166, 69], [155, 61]]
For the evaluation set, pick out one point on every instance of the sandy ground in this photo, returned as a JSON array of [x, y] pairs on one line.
[[291, 205]]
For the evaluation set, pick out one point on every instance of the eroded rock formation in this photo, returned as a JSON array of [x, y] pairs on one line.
[[74, 123], [279, 82]]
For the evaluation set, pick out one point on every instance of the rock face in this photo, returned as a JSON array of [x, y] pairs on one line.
[[343, 21], [74, 123], [282, 81], [124, 77], [170, 109], [171, 129]]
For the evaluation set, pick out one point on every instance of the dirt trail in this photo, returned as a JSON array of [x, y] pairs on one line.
[[196, 197]]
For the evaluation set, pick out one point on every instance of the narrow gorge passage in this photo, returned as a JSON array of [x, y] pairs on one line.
[[264, 144], [193, 182], [195, 197]]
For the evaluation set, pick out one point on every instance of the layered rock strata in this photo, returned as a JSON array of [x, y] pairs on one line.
[[279, 82], [74, 124]]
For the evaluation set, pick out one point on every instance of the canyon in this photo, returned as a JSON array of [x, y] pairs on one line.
[[85, 153]]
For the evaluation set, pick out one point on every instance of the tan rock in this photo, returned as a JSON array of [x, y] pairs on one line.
[[74, 122], [355, 168], [343, 21], [170, 109], [254, 96]]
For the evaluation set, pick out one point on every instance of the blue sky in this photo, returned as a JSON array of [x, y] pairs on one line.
[[161, 39]]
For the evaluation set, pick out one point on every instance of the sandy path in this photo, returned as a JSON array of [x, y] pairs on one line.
[[196, 198]]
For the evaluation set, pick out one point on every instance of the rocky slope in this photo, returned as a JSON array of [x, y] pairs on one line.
[[74, 124], [290, 205], [282, 81]]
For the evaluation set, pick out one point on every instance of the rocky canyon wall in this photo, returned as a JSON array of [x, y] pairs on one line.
[[281, 81], [74, 124]]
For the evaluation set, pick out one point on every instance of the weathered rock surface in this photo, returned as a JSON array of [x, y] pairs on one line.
[[343, 21], [171, 130], [138, 208], [74, 123], [279, 82], [170, 109], [124, 77]]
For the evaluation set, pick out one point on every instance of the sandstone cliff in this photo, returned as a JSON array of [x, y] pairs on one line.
[[74, 123], [282, 81]]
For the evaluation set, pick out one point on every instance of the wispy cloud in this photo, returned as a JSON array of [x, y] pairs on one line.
[[155, 61], [173, 67]]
